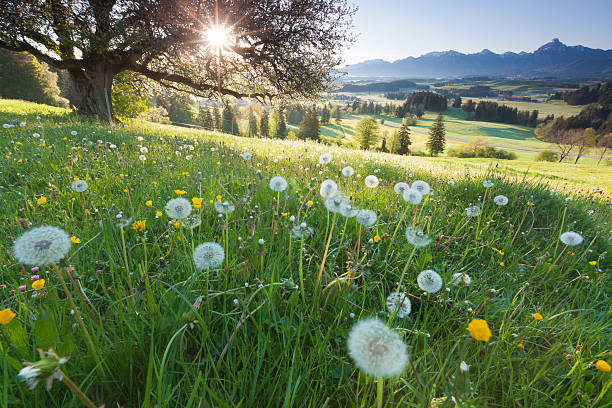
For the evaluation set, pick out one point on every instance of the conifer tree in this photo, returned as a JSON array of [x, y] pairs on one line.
[[402, 140], [206, 118], [227, 119], [278, 126], [217, 118], [310, 127], [263, 125], [367, 132], [252, 130], [437, 137], [325, 115]]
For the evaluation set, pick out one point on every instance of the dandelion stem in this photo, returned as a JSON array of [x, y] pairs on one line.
[[331, 231], [77, 391], [395, 231], [379, 392]]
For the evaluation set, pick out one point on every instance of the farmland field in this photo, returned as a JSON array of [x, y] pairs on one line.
[[498, 302]]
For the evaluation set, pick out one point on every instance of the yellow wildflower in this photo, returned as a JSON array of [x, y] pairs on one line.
[[592, 263], [180, 192], [502, 264], [377, 238], [479, 329], [121, 175], [309, 203], [6, 315], [284, 214], [125, 190], [218, 197], [42, 200], [603, 366], [139, 225], [520, 345], [197, 202], [76, 179], [20, 161], [177, 224], [537, 316], [75, 240], [185, 173], [38, 284], [159, 213], [149, 203]]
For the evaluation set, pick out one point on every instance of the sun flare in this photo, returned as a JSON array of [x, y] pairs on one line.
[[218, 36]]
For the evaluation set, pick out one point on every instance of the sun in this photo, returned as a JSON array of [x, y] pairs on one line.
[[218, 36]]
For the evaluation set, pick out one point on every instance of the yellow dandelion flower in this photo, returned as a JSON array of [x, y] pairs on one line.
[[6, 315], [520, 345], [149, 203], [603, 366], [310, 203], [377, 238], [479, 330], [284, 214], [177, 224], [87, 211], [537, 316], [76, 179], [159, 213], [185, 173], [154, 183], [139, 225], [180, 192], [38, 284], [75, 240], [125, 190], [197, 202], [592, 263], [42, 200], [121, 175], [218, 197], [218, 163], [502, 264], [212, 201], [20, 161]]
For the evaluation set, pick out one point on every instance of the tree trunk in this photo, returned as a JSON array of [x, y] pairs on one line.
[[93, 87]]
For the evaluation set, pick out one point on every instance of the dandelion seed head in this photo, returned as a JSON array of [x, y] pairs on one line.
[[278, 184], [421, 186], [328, 188], [461, 279], [377, 350], [302, 230], [398, 303], [412, 196], [417, 237], [325, 158], [336, 202], [192, 221], [472, 211], [79, 186], [367, 218], [178, 208], [487, 184], [42, 246], [208, 255], [429, 281], [571, 238], [349, 211], [500, 200], [371, 181], [400, 188], [224, 207], [348, 171]]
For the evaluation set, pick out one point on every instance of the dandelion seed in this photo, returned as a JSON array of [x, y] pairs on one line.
[[79, 186], [325, 158], [464, 368], [246, 156], [429, 281], [461, 279], [412, 196], [278, 184], [421, 186], [571, 238], [302, 230], [224, 207], [472, 211], [328, 188], [337, 202], [371, 181], [178, 208], [192, 221], [348, 171], [479, 330], [400, 188], [208, 255], [417, 237], [500, 200], [367, 218], [42, 246], [377, 350], [398, 303], [487, 184]]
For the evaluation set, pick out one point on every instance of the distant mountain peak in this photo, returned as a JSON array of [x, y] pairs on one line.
[[554, 45]]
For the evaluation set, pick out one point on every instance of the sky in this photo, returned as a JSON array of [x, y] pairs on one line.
[[395, 29]]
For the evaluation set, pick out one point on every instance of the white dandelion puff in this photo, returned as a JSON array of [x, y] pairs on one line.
[[417, 237], [487, 184], [178, 208], [571, 238], [371, 181], [349, 211], [464, 367], [377, 350], [142, 157], [348, 171], [400, 188], [302, 230], [246, 156], [421, 186], [278, 184], [500, 200], [328, 188], [224, 207], [144, 150], [367, 218], [325, 158], [398, 303], [42, 246], [461, 279], [336, 202], [472, 211], [412, 196], [208, 255], [429, 281], [192, 221], [79, 186]]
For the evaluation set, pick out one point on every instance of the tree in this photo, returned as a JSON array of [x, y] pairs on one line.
[[401, 140], [457, 102], [586, 142], [336, 113], [128, 102], [310, 127], [325, 115], [555, 131], [271, 48], [383, 146], [23, 77], [263, 125], [206, 118], [437, 137], [367, 132], [216, 118], [252, 130], [179, 108], [227, 120], [604, 143], [278, 126]]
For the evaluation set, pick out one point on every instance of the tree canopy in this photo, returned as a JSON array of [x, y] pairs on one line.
[[243, 48]]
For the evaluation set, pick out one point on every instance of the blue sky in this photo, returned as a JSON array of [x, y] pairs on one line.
[[394, 29]]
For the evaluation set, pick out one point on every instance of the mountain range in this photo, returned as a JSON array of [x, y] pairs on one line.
[[552, 59]]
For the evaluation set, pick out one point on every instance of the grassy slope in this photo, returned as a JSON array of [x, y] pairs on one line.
[[158, 351]]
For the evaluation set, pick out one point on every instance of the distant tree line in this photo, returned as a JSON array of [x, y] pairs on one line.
[[385, 86], [476, 91], [599, 93], [487, 111]]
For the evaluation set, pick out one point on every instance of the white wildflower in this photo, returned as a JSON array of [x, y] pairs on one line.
[[412, 196], [429, 281], [371, 181], [79, 186], [421, 186], [398, 303], [367, 218], [417, 237], [178, 208], [42, 246], [328, 188], [208, 255], [278, 184], [571, 238]]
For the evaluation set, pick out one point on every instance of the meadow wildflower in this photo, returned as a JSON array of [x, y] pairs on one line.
[[278, 184], [42, 246], [224, 207], [367, 218], [180, 192], [246, 156], [500, 200], [461, 279], [421, 186], [6, 315], [479, 330], [487, 184], [149, 203], [429, 281], [46, 369], [197, 202], [208, 255], [79, 186], [348, 171], [571, 238], [328, 188], [371, 181], [603, 366], [142, 157], [377, 350], [325, 158], [178, 208], [537, 316], [377, 238], [400, 188], [412, 196], [349, 211], [192, 221], [42, 200], [417, 237], [464, 367], [123, 221], [302, 230], [75, 239], [139, 226], [38, 284], [337, 202], [398, 303], [472, 211]]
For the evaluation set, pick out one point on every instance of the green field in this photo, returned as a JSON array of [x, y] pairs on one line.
[[148, 321]]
